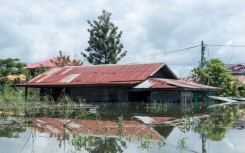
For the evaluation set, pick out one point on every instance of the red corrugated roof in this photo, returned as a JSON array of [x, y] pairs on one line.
[[158, 83], [96, 74], [46, 63]]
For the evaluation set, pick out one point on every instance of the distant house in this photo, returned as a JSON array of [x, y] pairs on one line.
[[45, 63], [21, 77], [48, 63], [238, 71], [119, 83]]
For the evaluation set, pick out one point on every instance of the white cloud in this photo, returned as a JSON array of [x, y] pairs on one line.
[[36, 30]]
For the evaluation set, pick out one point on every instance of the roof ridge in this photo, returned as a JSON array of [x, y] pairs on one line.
[[118, 64]]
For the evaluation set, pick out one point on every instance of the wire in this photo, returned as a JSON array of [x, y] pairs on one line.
[[152, 56], [159, 55], [208, 51], [228, 45], [231, 56]]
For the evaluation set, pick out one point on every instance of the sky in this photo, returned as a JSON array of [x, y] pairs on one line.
[[152, 29]]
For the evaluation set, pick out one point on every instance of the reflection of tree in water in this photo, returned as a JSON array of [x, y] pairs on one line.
[[11, 132], [98, 144], [215, 127], [10, 128]]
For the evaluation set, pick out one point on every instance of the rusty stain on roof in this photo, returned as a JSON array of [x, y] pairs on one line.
[[159, 83], [96, 74]]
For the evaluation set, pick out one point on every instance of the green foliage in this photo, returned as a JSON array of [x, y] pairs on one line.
[[214, 73], [40, 70], [11, 66], [95, 144], [241, 89], [104, 42], [120, 126], [64, 60], [11, 131]]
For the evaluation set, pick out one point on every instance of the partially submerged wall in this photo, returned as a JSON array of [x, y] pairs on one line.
[[100, 94]]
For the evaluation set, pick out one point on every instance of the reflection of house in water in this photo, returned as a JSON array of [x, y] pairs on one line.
[[58, 127], [164, 130], [117, 83]]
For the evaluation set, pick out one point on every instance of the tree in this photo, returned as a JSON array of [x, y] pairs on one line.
[[214, 73], [11, 66], [104, 42], [64, 60], [39, 70], [8, 67]]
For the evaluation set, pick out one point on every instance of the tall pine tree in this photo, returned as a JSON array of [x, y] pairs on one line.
[[104, 42]]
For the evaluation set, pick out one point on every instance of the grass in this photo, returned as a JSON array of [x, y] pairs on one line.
[[13, 103]]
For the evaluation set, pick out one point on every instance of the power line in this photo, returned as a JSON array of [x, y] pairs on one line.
[[159, 55], [227, 45], [231, 55], [154, 56]]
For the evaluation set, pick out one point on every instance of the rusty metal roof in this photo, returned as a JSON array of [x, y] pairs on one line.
[[46, 63], [240, 78], [159, 83], [236, 69], [95, 74], [189, 79]]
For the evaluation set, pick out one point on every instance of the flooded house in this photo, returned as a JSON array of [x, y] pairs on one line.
[[117, 83]]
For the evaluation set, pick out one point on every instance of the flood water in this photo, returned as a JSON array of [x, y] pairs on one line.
[[114, 127]]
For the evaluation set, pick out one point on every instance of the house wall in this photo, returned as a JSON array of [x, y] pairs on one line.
[[184, 98], [166, 96], [100, 94], [186, 101]]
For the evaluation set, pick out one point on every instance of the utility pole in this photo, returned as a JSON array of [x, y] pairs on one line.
[[202, 54]]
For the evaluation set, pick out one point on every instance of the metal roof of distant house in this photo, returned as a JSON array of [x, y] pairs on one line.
[[240, 78], [159, 83], [46, 63], [236, 69], [95, 75]]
